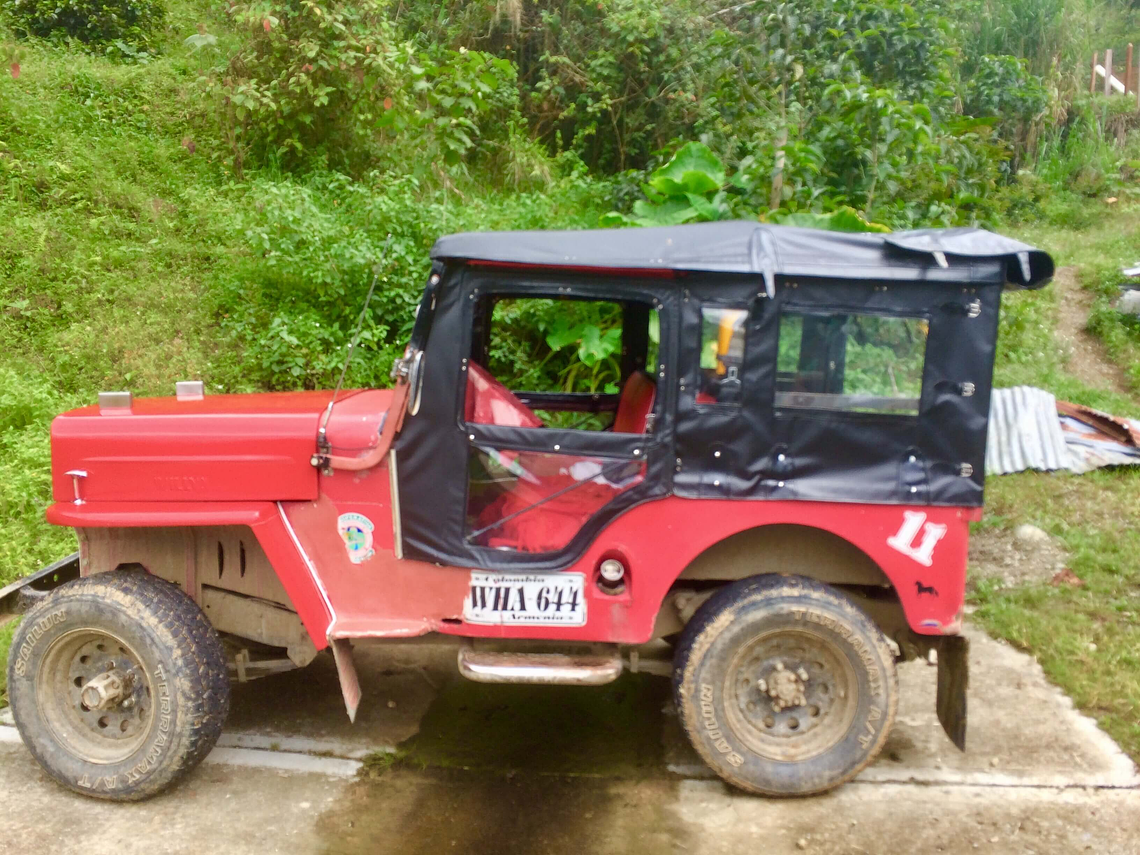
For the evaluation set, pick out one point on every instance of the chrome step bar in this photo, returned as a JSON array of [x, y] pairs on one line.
[[543, 668]]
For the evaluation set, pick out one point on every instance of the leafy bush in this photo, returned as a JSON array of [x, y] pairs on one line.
[[618, 80], [693, 186], [316, 242], [689, 187], [461, 92], [94, 22], [1002, 87], [906, 47], [1078, 156], [565, 345], [307, 76], [332, 79], [612, 82]]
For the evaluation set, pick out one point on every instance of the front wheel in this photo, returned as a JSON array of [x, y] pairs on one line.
[[783, 686], [118, 684]]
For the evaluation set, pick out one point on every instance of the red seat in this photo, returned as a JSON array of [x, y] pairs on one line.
[[635, 404], [548, 518], [489, 402]]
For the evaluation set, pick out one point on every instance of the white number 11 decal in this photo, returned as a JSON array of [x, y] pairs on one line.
[[904, 539]]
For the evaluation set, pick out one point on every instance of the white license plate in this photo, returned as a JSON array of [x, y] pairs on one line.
[[507, 599]]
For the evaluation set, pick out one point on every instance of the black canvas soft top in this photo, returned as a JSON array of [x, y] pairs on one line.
[[744, 246]]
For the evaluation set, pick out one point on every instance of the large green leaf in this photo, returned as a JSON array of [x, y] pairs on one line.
[[693, 169], [597, 345], [672, 212], [562, 333]]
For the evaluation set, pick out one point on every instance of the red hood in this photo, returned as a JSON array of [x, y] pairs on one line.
[[220, 448]]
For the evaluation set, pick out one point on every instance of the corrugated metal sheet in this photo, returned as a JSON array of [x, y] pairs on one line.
[[1024, 432], [1097, 439], [1091, 448]]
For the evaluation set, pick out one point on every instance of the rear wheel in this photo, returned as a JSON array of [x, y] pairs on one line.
[[118, 684], [783, 686]]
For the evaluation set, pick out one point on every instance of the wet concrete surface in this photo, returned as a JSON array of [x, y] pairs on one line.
[[597, 731], [456, 811], [516, 769]]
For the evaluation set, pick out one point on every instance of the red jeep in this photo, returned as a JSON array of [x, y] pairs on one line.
[[762, 449]]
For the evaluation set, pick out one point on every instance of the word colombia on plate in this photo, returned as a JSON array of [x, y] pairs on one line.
[[506, 598]]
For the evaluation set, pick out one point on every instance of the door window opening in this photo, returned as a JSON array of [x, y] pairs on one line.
[[572, 364]]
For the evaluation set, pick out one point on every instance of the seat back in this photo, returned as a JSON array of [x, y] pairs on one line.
[[635, 404], [489, 402]]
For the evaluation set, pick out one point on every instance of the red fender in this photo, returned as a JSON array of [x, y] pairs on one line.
[[265, 519]]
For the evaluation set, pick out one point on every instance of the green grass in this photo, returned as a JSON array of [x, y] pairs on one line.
[[105, 255], [1087, 638], [1027, 350]]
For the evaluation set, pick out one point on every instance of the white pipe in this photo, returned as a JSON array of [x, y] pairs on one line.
[[1116, 84]]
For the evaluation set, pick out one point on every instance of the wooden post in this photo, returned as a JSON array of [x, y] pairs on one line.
[[1092, 80], [1128, 70], [777, 196], [1108, 72], [1138, 85]]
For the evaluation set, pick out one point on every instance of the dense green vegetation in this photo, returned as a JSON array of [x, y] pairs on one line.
[[191, 189]]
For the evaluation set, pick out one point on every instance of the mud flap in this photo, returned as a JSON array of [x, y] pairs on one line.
[[346, 670], [953, 679]]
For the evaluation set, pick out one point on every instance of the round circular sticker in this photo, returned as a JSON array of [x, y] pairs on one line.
[[356, 531]]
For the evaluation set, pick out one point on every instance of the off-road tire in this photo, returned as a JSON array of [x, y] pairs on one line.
[[734, 725], [174, 660]]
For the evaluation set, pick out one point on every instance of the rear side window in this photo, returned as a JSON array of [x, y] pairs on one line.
[[851, 362], [722, 354]]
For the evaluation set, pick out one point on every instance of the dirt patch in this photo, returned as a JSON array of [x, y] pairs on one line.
[[1015, 556], [1087, 359]]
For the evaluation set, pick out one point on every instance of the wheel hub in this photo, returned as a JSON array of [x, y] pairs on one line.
[[790, 695], [785, 688], [97, 698], [107, 690]]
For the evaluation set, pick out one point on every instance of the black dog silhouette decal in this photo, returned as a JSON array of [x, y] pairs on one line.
[[926, 589]]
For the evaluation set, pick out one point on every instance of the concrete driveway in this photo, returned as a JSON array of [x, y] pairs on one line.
[[514, 769]]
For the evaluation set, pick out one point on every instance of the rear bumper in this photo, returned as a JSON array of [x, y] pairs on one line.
[[18, 597]]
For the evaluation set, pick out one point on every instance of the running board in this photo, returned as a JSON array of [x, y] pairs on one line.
[[543, 668]]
